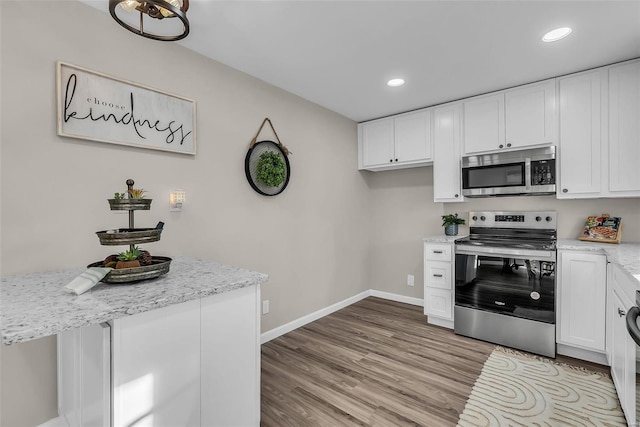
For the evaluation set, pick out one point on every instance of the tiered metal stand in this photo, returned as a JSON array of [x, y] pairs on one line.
[[132, 236]]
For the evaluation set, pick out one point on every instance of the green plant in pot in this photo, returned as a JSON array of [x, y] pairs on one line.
[[129, 259], [450, 224], [271, 169]]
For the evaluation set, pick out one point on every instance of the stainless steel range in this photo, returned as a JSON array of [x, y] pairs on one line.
[[505, 280]]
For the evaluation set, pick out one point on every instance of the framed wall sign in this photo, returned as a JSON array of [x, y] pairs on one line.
[[98, 107]]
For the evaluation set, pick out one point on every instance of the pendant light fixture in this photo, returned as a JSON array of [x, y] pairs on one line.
[[157, 10]]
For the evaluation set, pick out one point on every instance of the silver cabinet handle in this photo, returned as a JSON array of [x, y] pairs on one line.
[[437, 252], [437, 275], [621, 312]]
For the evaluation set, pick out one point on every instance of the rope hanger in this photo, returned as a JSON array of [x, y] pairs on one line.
[[284, 149]]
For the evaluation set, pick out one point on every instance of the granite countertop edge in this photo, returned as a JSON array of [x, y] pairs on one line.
[[33, 307]]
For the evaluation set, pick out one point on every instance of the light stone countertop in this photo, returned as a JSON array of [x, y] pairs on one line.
[[626, 255], [35, 305], [442, 238]]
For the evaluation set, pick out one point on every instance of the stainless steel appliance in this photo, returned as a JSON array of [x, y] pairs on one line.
[[505, 280], [523, 172]]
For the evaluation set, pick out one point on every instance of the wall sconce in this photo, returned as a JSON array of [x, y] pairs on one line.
[[176, 200]]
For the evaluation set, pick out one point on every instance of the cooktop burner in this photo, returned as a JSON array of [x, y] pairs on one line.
[[516, 230]]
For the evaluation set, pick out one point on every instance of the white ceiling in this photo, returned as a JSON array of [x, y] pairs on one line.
[[339, 54]]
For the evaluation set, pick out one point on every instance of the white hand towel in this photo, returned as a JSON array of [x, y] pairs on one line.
[[87, 280]]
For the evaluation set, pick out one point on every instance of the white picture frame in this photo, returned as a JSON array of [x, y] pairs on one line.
[[98, 107]]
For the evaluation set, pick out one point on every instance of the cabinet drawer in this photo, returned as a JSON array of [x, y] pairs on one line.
[[437, 274], [438, 252], [438, 303]]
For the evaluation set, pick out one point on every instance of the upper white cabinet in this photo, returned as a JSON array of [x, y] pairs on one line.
[[447, 185], [516, 118], [580, 148], [624, 129], [581, 300], [599, 144], [395, 142], [484, 123]]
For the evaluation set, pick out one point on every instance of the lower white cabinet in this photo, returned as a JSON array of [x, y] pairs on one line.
[[438, 283], [191, 364], [621, 349], [581, 300]]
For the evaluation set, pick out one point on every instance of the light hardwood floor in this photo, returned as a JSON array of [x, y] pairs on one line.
[[374, 363]]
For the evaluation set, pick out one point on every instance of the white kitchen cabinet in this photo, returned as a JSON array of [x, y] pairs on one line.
[[581, 300], [84, 376], [438, 283], [189, 364], [624, 129], [515, 118], [581, 147], [376, 143], [395, 142], [484, 128], [231, 359], [156, 367], [447, 184], [531, 115], [621, 349]]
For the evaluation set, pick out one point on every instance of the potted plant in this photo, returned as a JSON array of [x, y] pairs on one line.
[[134, 200], [450, 224]]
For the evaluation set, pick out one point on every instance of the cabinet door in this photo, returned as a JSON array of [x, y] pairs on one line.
[[376, 141], [231, 358], [149, 387], [580, 147], [582, 293], [438, 303], [413, 137], [530, 115], [624, 129], [484, 124], [447, 186]]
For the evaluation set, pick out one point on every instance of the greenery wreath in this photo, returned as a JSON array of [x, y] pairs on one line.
[[271, 169]]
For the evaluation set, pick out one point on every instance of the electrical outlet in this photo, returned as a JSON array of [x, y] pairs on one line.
[[410, 280], [265, 306]]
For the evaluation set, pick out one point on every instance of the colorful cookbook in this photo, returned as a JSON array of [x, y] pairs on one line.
[[602, 228]]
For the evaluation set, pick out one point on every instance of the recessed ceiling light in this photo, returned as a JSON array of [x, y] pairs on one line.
[[557, 34], [395, 82]]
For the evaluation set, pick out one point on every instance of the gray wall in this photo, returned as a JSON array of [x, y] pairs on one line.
[[312, 240]]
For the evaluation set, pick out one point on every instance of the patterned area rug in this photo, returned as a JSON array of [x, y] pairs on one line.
[[518, 389]]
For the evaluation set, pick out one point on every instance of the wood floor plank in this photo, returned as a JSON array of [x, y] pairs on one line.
[[373, 363]]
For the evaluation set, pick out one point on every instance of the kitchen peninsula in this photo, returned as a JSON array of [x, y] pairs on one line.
[[151, 350]]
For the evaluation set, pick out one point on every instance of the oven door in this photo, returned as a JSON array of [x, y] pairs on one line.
[[508, 282]]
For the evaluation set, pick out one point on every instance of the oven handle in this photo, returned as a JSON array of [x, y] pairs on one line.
[[632, 326], [511, 253]]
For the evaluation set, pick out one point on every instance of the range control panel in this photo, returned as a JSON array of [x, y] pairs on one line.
[[536, 219], [509, 218]]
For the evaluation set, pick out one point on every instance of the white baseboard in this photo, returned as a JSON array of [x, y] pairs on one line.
[[295, 324], [288, 327], [578, 353], [55, 422], [440, 322], [397, 298]]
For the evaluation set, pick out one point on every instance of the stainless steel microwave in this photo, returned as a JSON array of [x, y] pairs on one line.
[[530, 172]]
